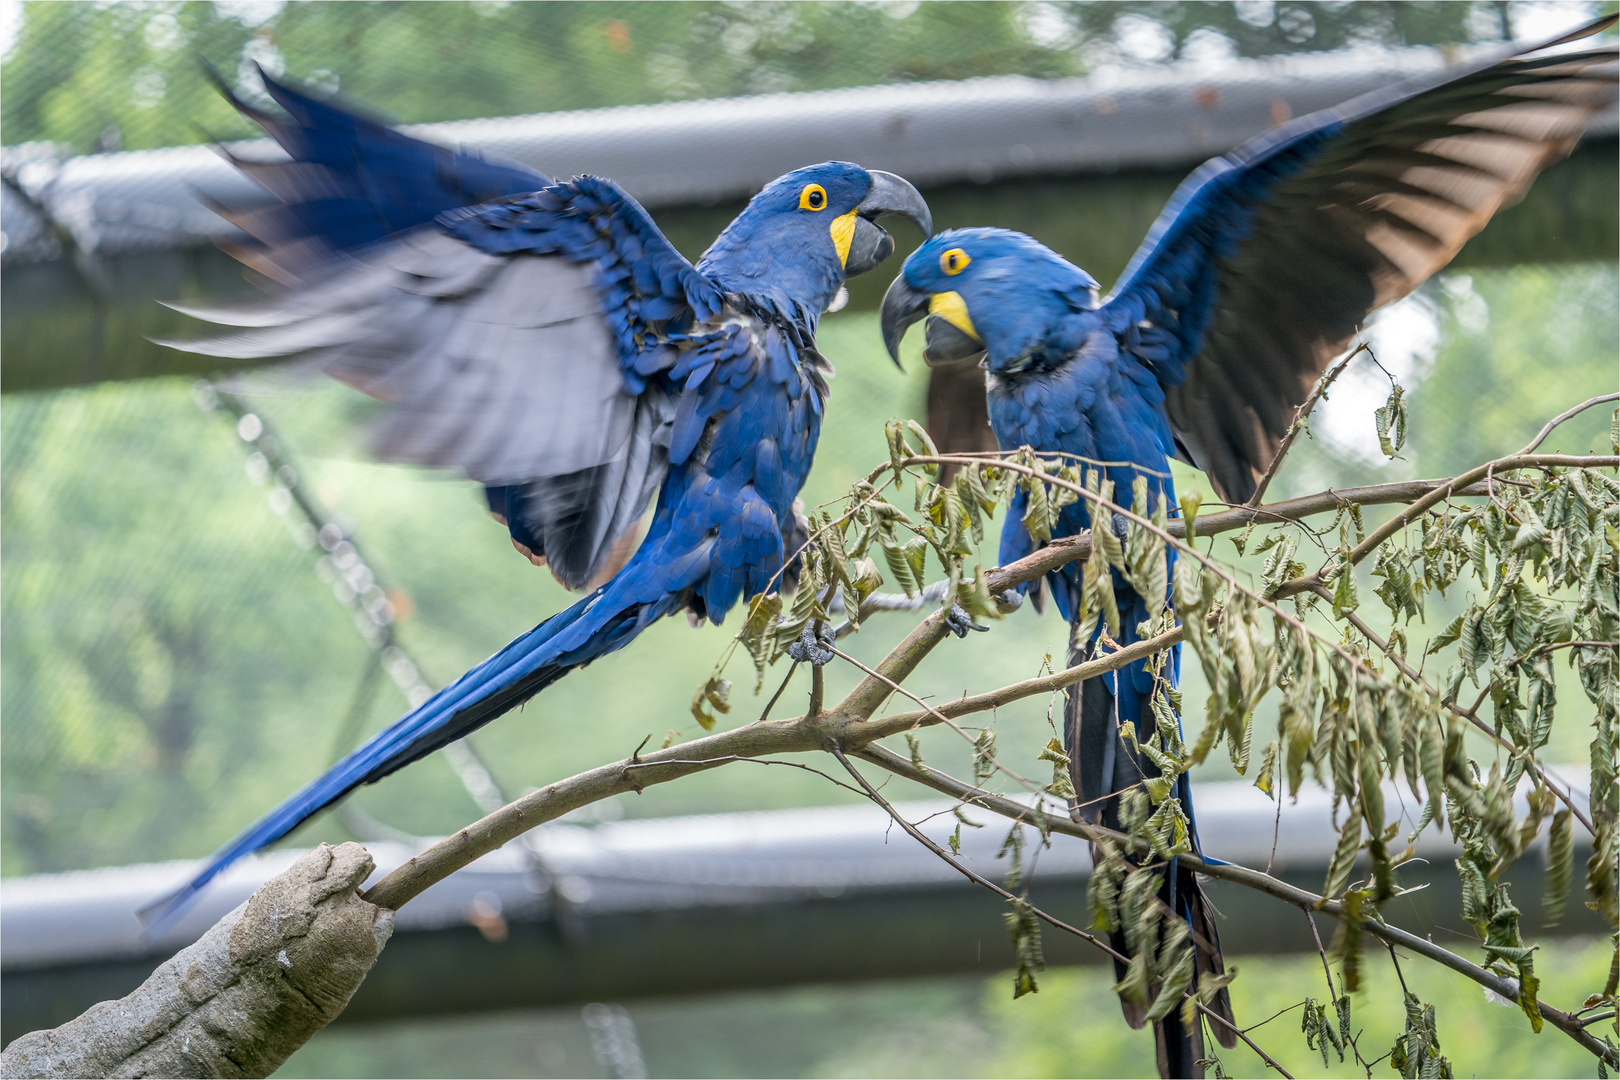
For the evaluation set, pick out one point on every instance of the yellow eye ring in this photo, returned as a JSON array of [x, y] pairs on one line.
[[813, 197], [954, 261]]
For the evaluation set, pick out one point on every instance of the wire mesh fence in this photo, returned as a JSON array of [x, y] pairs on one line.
[[98, 77], [174, 664], [180, 643]]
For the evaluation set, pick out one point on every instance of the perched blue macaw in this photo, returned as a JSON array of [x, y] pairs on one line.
[[547, 339], [1252, 280]]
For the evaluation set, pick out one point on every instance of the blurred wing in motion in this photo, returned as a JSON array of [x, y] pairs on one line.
[[348, 181], [1267, 260], [522, 340]]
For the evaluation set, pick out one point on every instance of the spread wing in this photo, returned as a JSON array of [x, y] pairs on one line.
[[524, 341], [348, 181], [1268, 259]]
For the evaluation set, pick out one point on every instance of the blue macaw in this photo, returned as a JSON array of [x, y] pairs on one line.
[[547, 339], [1257, 274]]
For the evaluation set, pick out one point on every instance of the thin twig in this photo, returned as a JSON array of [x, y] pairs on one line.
[[1241, 875], [1273, 1016], [752, 761], [1406, 669], [1320, 951], [1554, 646], [1447, 490], [1396, 960], [771, 704], [918, 835], [895, 723], [1561, 417], [1298, 425], [1026, 784]]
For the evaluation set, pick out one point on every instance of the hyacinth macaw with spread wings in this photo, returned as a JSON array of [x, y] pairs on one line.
[[1256, 276], [547, 339]]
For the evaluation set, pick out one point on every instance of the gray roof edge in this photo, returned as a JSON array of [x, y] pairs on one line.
[[726, 861], [673, 153]]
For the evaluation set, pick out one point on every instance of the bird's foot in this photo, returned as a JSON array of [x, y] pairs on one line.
[[959, 622], [814, 645]]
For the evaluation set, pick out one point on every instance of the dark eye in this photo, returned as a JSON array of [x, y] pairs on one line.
[[813, 197], [954, 261]]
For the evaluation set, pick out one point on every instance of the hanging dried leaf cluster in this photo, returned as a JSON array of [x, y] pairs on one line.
[[1533, 560]]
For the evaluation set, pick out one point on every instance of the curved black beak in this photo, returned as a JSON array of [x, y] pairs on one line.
[[944, 342], [891, 194], [902, 306]]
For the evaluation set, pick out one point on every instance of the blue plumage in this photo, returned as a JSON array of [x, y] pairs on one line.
[[368, 181], [1257, 274], [699, 384]]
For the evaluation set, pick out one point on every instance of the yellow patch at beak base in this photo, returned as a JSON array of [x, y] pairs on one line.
[[843, 232], [953, 309]]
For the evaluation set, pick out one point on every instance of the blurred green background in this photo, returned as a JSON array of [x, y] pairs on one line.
[[172, 664]]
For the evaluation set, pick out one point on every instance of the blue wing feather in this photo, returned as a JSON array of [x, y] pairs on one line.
[[649, 289], [1267, 260], [354, 181]]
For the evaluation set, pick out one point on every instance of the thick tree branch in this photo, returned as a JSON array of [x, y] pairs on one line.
[[263, 980], [883, 726]]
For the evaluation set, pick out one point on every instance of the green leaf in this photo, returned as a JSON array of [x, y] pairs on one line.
[[1037, 512], [716, 693], [1344, 855], [916, 553], [895, 431], [1024, 931], [1176, 978], [929, 449], [1344, 591], [1190, 502], [915, 747], [984, 757], [757, 636], [1103, 889], [900, 568], [1266, 778], [1560, 867], [1348, 943], [1391, 422], [1453, 631]]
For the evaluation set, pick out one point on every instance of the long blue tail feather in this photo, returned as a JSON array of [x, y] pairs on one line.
[[1103, 765], [510, 677]]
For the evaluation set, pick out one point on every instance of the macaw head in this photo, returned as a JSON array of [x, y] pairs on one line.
[[806, 232], [989, 295]]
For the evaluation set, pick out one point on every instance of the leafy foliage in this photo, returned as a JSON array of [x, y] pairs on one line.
[[1543, 551], [1417, 1052]]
